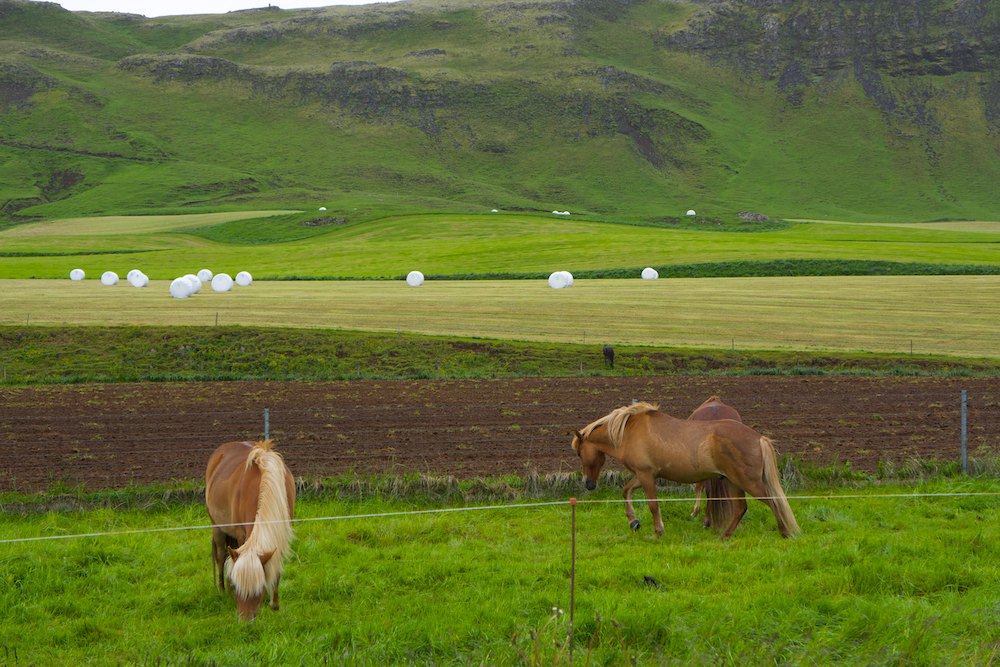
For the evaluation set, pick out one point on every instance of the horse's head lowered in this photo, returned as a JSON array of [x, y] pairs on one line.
[[247, 581], [591, 458], [610, 430]]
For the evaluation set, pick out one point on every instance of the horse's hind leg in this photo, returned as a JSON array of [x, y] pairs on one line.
[[633, 522], [738, 503]]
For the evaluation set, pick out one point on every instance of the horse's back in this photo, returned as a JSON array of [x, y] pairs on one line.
[[712, 409], [226, 460], [696, 446], [230, 488]]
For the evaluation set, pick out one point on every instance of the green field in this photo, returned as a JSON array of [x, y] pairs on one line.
[[942, 315], [872, 580], [287, 246]]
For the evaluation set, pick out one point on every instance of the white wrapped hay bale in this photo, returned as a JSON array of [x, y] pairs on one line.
[[205, 276], [109, 278], [222, 282], [137, 278], [181, 288], [560, 279], [77, 274], [691, 212], [414, 279], [649, 273], [244, 279], [195, 283]]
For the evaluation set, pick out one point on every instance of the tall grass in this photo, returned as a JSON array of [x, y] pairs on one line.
[[872, 580]]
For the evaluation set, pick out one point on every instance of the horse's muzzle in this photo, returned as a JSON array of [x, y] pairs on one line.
[[590, 484]]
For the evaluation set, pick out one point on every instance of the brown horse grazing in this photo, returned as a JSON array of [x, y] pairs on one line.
[[653, 444], [250, 495], [713, 408]]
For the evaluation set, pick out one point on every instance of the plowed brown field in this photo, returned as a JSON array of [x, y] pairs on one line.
[[106, 436]]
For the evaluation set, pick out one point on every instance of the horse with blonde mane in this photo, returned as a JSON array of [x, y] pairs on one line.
[[652, 445], [250, 495]]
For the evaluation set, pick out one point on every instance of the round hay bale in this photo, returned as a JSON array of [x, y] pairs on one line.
[[195, 283], [109, 278], [414, 279], [222, 282], [691, 212], [649, 273], [205, 276], [77, 274], [244, 279], [137, 278], [180, 288], [560, 279]]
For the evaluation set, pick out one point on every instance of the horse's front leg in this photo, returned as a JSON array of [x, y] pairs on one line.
[[649, 486], [633, 522], [698, 488], [219, 557], [274, 593]]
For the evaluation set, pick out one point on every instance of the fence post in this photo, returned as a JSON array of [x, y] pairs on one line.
[[267, 424], [965, 439], [572, 573]]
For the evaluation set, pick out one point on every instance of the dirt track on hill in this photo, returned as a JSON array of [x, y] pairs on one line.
[[109, 436]]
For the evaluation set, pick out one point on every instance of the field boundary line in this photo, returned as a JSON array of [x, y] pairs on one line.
[[480, 508]]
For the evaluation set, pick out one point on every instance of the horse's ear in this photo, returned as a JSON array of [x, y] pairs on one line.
[[233, 553], [264, 557], [579, 435]]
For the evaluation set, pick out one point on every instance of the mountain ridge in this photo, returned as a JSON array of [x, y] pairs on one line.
[[624, 110]]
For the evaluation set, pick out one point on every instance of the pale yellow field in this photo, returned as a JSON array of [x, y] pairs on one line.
[[985, 226], [129, 224], [949, 315]]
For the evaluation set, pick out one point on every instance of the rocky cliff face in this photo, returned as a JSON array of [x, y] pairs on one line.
[[799, 43]]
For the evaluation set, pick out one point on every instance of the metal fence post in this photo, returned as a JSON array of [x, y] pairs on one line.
[[965, 439], [267, 424]]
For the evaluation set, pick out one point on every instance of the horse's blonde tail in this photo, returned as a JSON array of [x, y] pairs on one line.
[[718, 503], [778, 502]]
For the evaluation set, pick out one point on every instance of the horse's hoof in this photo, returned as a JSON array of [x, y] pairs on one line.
[[634, 524]]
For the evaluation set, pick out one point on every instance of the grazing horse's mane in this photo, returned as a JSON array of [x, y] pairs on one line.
[[714, 398], [616, 420], [272, 530]]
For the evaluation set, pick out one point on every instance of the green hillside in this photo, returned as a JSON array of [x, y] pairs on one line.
[[627, 110]]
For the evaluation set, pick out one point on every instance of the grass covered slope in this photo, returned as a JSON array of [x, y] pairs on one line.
[[629, 109], [325, 245]]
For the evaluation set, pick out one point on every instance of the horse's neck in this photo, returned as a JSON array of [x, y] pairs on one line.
[[599, 436]]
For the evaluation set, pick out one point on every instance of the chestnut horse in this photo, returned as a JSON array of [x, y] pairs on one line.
[[653, 444], [713, 408], [250, 495]]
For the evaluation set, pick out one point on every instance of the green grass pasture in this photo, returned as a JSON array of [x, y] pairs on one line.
[[360, 246], [945, 315], [872, 580]]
